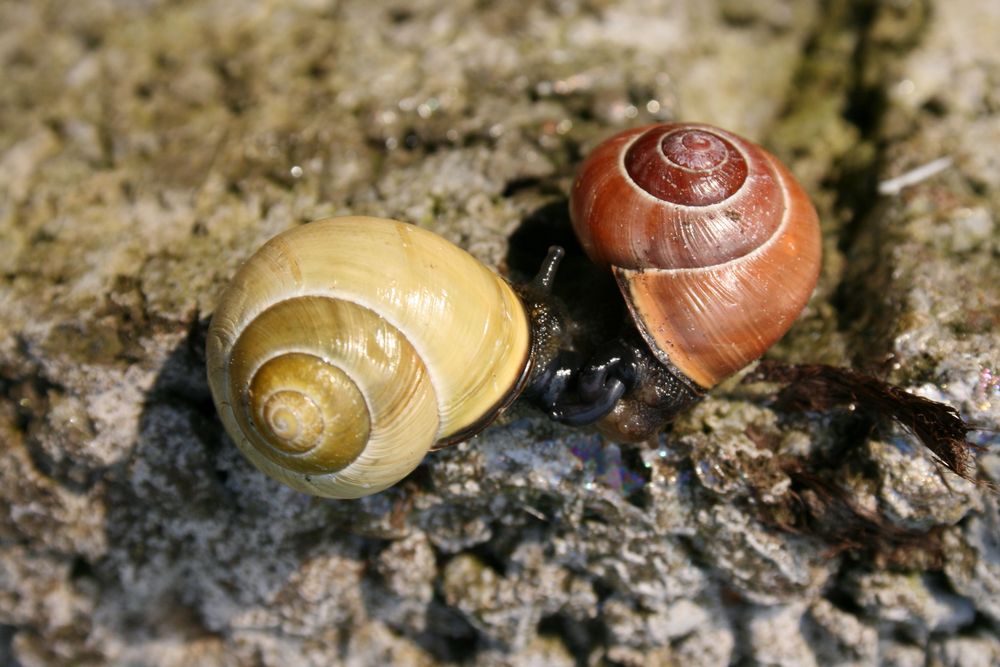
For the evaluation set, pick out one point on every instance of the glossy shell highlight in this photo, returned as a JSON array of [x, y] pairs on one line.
[[344, 349], [714, 244]]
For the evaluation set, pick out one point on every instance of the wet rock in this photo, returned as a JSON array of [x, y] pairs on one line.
[[838, 637], [974, 568], [911, 606], [776, 637], [147, 148], [978, 650]]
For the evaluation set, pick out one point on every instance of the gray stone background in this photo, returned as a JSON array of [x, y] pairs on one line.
[[147, 147]]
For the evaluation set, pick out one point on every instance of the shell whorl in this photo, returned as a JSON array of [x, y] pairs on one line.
[[715, 245], [687, 165], [344, 349]]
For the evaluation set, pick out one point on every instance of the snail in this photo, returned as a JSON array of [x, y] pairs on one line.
[[716, 249], [345, 349]]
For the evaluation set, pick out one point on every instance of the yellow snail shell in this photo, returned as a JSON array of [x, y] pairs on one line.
[[344, 349]]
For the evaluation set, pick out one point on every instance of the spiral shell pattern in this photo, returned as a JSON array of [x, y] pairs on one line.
[[714, 244], [344, 349]]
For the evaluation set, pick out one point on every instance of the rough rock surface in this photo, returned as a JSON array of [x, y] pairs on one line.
[[146, 148]]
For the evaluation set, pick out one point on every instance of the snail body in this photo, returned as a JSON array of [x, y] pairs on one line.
[[344, 349]]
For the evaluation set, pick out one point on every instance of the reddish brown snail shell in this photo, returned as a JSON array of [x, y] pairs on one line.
[[714, 244]]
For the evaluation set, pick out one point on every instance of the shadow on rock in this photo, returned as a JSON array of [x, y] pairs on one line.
[[199, 538]]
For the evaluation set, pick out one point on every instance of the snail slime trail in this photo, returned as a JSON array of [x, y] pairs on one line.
[[344, 350]]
